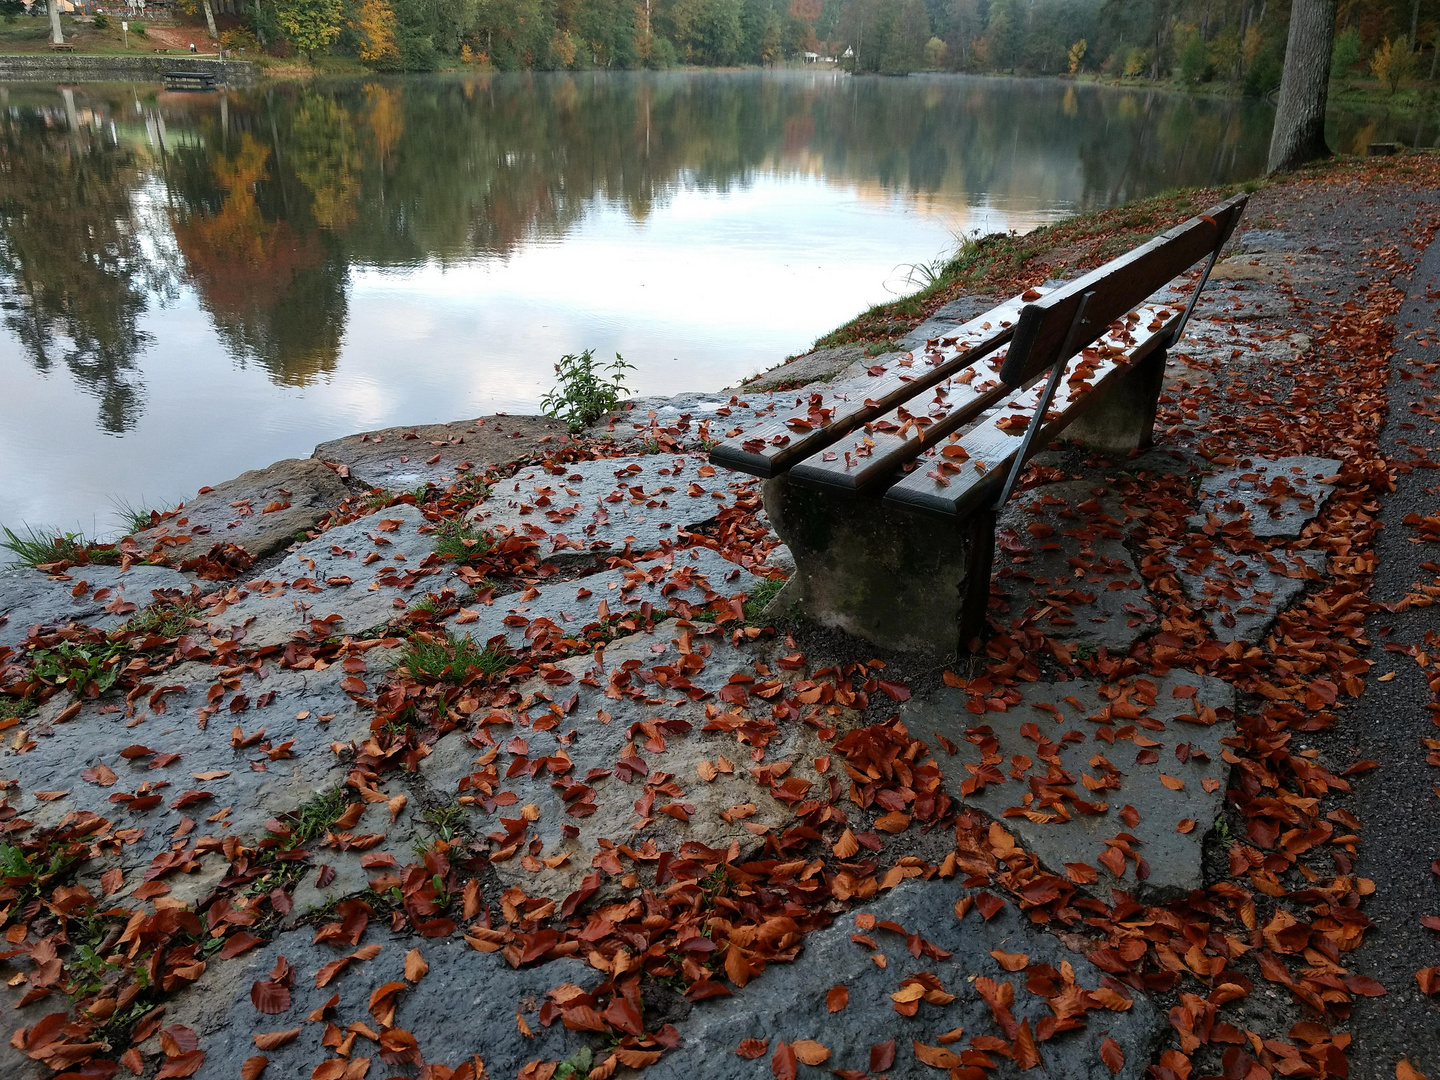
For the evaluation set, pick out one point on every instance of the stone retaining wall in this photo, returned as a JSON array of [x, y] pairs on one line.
[[70, 67]]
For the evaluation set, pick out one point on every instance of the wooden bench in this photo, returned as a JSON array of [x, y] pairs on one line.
[[886, 488], [190, 80], [62, 46]]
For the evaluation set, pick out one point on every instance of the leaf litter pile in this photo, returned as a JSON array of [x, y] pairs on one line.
[[98, 960]]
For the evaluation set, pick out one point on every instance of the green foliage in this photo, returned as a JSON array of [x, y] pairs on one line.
[[1345, 56], [1194, 63], [78, 666], [101, 21], [576, 1067], [450, 659], [310, 25], [36, 548], [583, 392]]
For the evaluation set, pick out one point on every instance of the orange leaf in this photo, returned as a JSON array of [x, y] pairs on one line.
[[1112, 1055], [1010, 961], [782, 1064], [937, 1057], [752, 1048], [253, 1067], [837, 998], [1405, 1071], [809, 1052], [1174, 783], [273, 1040], [415, 966]]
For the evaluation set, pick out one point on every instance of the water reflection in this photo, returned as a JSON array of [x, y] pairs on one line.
[[264, 209]]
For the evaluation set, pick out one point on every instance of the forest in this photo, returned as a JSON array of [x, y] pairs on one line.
[[1239, 43]]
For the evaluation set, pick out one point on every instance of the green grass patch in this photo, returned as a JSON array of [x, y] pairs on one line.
[[454, 539], [164, 618], [760, 597], [34, 547], [315, 817], [450, 659]]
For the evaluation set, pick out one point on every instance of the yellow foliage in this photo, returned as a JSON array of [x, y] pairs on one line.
[[1077, 55], [1393, 62], [376, 24]]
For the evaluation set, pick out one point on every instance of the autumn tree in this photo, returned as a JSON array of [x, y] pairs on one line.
[[1393, 62], [1299, 134], [375, 23]]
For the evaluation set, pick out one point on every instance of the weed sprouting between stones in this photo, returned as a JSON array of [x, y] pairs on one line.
[[37, 548], [84, 668], [164, 618], [584, 390], [454, 539], [450, 659]]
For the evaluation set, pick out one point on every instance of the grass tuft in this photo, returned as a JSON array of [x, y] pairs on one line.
[[454, 539], [450, 659], [37, 548], [760, 597], [165, 618]]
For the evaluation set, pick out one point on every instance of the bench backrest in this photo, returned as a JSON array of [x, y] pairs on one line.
[[1117, 287]]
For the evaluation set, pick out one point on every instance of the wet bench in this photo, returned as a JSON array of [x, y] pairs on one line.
[[886, 487], [196, 81]]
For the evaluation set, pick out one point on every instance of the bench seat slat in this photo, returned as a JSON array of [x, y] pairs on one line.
[[773, 445], [875, 450], [990, 451]]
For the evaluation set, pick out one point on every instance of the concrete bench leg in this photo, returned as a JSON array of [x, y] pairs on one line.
[[1123, 419], [903, 581]]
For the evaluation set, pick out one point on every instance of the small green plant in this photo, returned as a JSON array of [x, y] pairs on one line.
[[760, 597], [1085, 650], [14, 707], [585, 391], [1223, 833], [315, 817], [138, 29], [134, 518], [450, 659], [378, 499], [576, 1066], [102, 21], [454, 539], [36, 548], [76, 666], [875, 348], [165, 618]]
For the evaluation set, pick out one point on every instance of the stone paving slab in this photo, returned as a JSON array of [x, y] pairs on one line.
[[91, 595], [467, 1003], [598, 507], [262, 510], [788, 1001], [691, 575], [598, 731], [1048, 745], [1065, 567], [403, 458], [366, 572], [1242, 594], [301, 712], [1276, 496]]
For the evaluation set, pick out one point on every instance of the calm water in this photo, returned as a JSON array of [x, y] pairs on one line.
[[195, 285]]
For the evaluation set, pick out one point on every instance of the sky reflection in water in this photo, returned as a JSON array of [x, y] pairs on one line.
[[222, 282]]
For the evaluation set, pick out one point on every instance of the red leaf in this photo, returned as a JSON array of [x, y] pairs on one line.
[[1112, 1055], [783, 1064], [183, 1065], [752, 1048], [270, 997], [882, 1056]]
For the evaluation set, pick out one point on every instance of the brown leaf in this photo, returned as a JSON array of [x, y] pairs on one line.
[[837, 998], [181, 1065], [752, 1048], [1010, 961], [809, 1052], [273, 1040], [1405, 1071], [415, 966], [253, 1067], [269, 996], [782, 1064], [100, 774], [882, 1056], [937, 1057], [1112, 1055]]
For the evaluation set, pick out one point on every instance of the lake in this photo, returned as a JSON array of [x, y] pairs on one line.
[[198, 284]]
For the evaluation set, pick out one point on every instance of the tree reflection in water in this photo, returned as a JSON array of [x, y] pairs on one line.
[[263, 201]]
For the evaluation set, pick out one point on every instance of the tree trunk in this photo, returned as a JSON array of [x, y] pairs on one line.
[[53, 7], [1415, 25], [210, 19], [1300, 117]]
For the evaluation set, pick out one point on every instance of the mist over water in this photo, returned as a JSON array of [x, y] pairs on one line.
[[195, 285]]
